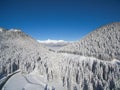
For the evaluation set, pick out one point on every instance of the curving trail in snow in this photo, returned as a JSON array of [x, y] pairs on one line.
[[21, 82]]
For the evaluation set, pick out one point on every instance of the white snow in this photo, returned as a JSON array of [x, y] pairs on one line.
[[21, 82], [15, 30], [36, 81], [1, 29], [54, 44], [16, 82], [51, 41], [32, 81]]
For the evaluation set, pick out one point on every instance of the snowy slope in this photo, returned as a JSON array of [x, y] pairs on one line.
[[41, 69], [18, 51], [103, 43]]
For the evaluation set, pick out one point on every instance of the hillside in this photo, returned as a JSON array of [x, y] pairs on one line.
[[18, 50], [102, 43]]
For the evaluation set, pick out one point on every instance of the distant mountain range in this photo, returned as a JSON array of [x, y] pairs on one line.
[[54, 44]]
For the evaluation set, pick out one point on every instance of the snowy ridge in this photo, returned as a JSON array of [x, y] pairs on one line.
[[15, 30], [103, 43], [18, 51], [1, 29]]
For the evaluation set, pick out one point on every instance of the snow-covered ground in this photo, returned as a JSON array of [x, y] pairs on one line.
[[67, 70], [32, 81], [21, 82]]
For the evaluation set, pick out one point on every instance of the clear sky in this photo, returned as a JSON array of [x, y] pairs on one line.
[[58, 19]]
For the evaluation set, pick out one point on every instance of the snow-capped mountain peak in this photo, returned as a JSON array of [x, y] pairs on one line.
[[2, 29], [15, 30]]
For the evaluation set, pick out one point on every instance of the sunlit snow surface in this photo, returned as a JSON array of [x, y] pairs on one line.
[[29, 82], [21, 82]]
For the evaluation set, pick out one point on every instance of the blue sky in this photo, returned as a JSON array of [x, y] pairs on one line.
[[58, 19]]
